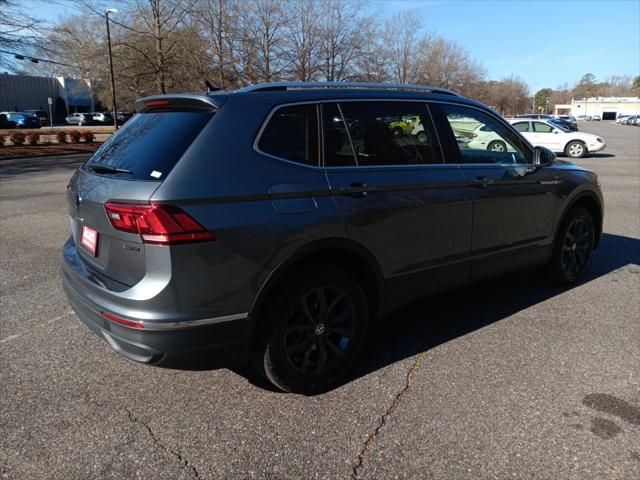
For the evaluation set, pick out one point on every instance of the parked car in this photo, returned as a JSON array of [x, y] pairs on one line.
[[621, 118], [41, 114], [5, 122], [123, 117], [22, 120], [555, 138], [104, 118], [566, 124], [80, 119], [540, 116], [284, 246], [583, 118], [404, 125], [596, 118], [569, 118]]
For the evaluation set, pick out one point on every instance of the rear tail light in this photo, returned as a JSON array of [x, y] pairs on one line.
[[121, 321], [157, 224]]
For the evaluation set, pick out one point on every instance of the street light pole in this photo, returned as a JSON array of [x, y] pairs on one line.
[[113, 82]]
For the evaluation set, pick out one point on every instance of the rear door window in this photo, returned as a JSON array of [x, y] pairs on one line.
[[542, 127], [292, 134], [150, 144], [391, 133], [521, 126]]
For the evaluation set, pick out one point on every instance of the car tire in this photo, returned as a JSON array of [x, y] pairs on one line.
[[575, 149], [497, 146], [313, 331], [573, 247]]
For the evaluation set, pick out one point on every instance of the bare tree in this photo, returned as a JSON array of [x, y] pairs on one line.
[[218, 18], [18, 30], [401, 36], [158, 20], [342, 31], [261, 41], [302, 39]]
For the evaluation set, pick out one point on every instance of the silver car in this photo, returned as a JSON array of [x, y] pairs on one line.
[[79, 119]]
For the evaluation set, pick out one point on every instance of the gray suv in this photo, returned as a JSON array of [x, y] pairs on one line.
[[273, 224]]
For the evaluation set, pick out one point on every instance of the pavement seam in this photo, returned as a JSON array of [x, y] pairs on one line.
[[384, 420], [18, 335], [183, 461]]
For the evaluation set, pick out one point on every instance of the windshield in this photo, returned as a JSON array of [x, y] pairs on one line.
[[149, 145]]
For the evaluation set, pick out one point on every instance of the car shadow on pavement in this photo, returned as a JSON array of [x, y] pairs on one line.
[[601, 155], [440, 319]]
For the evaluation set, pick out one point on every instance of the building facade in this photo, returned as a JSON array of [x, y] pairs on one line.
[[609, 108], [25, 92]]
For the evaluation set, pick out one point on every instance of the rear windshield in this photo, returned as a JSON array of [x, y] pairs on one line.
[[149, 145]]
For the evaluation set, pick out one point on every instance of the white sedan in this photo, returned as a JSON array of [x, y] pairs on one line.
[[557, 139]]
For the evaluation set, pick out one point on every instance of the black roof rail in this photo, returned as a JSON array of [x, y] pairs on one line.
[[278, 86]]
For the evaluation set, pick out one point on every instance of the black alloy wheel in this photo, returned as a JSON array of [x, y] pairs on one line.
[[574, 246], [313, 330], [319, 330]]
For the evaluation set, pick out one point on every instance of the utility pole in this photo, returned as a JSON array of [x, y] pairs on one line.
[[113, 82]]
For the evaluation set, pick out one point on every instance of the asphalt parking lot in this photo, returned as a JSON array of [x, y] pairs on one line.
[[508, 379]]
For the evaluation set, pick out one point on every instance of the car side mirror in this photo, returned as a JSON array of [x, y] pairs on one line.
[[555, 130], [543, 156]]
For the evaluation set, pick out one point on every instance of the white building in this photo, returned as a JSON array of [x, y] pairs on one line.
[[609, 108]]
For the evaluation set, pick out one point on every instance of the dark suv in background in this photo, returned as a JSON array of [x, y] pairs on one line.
[[273, 224]]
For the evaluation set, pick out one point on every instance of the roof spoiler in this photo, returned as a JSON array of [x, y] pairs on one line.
[[182, 102]]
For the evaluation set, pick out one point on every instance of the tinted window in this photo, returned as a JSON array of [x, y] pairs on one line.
[[521, 126], [482, 138], [292, 134], [542, 127], [391, 133], [337, 147], [150, 144]]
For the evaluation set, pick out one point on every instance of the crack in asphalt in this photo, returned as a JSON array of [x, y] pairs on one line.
[[384, 420], [183, 461]]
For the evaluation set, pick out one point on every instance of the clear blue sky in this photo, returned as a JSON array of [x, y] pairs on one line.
[[546, 41], [549, 42]]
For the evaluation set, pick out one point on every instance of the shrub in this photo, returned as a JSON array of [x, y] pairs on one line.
[[18, 138], [61, 136], [88, 136], [74, 136], [33, 137]]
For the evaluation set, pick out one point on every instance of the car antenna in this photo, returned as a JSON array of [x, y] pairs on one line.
[[211, 88]]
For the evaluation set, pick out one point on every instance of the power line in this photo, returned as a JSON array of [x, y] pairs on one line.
[[21, 56]]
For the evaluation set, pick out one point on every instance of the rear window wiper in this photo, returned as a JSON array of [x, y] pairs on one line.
[[102, 168]]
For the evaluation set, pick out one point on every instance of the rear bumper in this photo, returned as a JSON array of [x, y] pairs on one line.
[[221, 341]]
